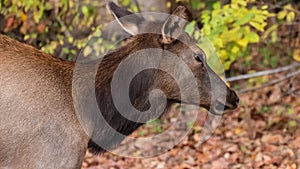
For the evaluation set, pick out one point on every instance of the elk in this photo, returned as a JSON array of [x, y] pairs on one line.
[[38, 123]]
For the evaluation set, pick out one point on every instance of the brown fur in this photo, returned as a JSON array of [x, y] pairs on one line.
[[38, 124]]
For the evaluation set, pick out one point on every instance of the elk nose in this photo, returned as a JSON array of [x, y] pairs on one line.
[[237, 99]]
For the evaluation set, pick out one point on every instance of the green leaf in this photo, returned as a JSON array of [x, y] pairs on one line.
[[252, 37], [37, 15], [190, 28], [245, 19], [290, 111], [85, 10], [141, 133], [126, 2], [69, 57], [197, 35], [196, 5], [274, 36], [292, 123], [73, 52], [65, 50], [217, 5], [135, 9]]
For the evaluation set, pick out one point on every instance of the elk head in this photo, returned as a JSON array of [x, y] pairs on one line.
[[214, 95]]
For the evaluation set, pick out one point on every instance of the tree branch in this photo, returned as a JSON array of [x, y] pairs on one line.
[[262, 73], [273, 82]]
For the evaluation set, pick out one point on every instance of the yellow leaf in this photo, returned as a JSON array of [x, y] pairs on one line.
[[87, 51], [70, 39], [281, 14], [264, 7], [296, 55], [238, 131], [271, 14], [243, 42], [269, 31], [234, 6], [227, 65], [242, 3], [257, 26], [71, 4], [288, 7], [225, 7], [169, 5], [218, 42], [235, 49], [26, 37], [290, 17], [229, 20], [223, 54]]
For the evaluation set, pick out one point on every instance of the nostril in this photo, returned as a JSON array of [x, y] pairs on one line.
[[236, 98]]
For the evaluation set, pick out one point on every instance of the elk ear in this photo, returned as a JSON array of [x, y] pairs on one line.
[[175, 24], [128, 21]]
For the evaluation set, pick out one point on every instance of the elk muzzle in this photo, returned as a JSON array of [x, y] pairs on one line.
[[232, 101]]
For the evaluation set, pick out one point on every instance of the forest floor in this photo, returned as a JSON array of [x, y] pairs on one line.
[[262, 133]]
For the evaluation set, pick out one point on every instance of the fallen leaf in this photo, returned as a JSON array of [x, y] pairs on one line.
[[296, 55], [23, 16], [41, 27], [272, 139], [296, 143], [9, 23], [238, 131]]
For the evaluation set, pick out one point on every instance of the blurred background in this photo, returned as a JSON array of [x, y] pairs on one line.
[[259, 45]]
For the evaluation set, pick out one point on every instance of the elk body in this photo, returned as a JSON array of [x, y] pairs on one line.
[[38, 124]]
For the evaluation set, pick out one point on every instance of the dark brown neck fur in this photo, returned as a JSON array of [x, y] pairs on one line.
[[139, 92]]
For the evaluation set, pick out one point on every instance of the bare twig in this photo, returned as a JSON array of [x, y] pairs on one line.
[[262, 73], [273, 82], [293, 93]]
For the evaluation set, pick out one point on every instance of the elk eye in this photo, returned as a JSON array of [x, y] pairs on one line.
[[199, 57]]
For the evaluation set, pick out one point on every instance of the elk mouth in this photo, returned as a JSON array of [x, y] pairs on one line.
[[220, 108]]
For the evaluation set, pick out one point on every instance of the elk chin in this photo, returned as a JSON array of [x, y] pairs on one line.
[[217, 110], [220, 108]]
